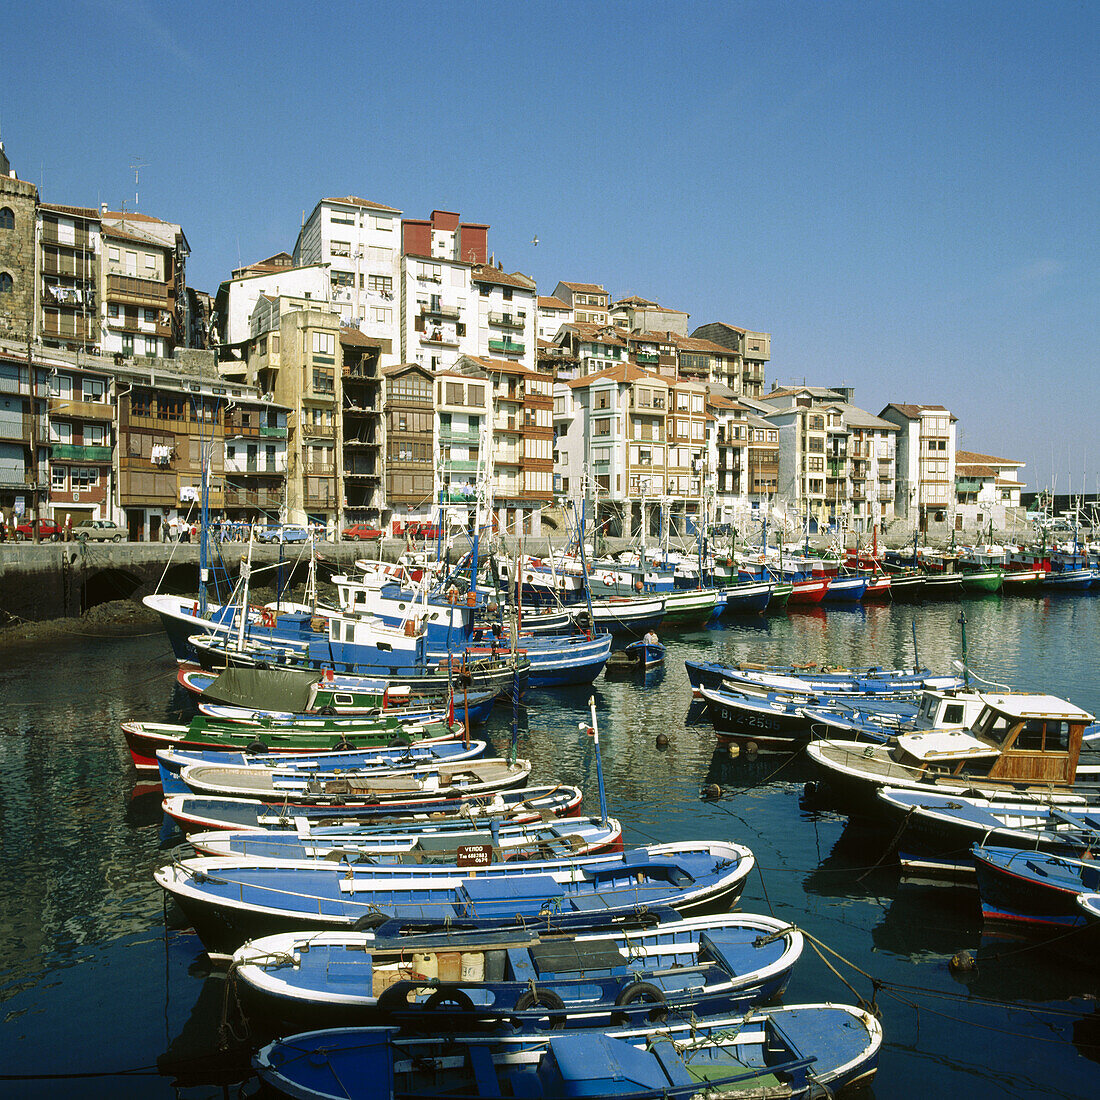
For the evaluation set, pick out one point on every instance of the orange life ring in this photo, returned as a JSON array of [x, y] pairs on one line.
[[268, 617], [608, 581]]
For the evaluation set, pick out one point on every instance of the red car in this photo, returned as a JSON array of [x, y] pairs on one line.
[[47, 529], [360, 531]]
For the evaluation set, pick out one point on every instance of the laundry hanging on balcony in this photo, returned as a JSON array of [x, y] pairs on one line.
[[161, 454]]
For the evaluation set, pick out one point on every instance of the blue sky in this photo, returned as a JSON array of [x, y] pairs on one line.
[[903, 195]]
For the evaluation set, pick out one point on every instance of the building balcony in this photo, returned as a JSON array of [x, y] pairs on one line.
[[81, 242], [139, 328], [362, 473], [273, 433], [139, 292], [319, 469], [70, 327], [460, 466], [439, 341], [322, 431], [75, 452], [444, 312], [647, 359], [506, 347], [253, 498], [507, 320], [459, 435], [83, 410]]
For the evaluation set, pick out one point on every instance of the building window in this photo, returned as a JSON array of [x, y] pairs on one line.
[[324, 343], [381, 315], [323, 381], [93, 389], [7, 217], [85, 477], [381, 284], [127, 343], [6, 283], [59, 478]]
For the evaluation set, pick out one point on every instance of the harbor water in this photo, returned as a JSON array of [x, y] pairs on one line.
[[100, 995]]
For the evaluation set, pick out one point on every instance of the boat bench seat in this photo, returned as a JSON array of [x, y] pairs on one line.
[[570, 957], [519, 962], [527, 895]]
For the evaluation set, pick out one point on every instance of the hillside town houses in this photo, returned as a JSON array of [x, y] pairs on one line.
[[386, 370]]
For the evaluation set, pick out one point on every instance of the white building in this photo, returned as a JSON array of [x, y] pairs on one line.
[[987, 489], [360, 242], [552, 314], [588, 301], [237, 296], [439, 319], [925, 487], [507, 318]]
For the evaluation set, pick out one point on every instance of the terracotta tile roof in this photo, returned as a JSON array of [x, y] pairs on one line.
[[624, 372], [726, 324], [133, 216], [402, 368], [486, 274], [116, 233], [352, 200], [596, 334], [75, 211], [356, 339], [498, 366], [585, 288], [634, 300], [970, 457], [973, 469], [550, 302], [913, 412], [693, 343]]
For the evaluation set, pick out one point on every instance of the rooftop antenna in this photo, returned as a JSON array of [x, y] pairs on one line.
[[137, 166]]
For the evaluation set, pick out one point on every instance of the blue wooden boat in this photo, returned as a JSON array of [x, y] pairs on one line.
[[790, 1053], [936, 831], [809, 681], [622, 614], [845, 589], [430, 843], [646, 654], [229, 901], [171, 761], [746, 597], [195, 813], [558, 660], [464, 982], [1033, 889], [768, 720]]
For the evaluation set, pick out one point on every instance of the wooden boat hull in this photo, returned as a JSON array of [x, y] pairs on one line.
[[230, 901], [1033, 889]]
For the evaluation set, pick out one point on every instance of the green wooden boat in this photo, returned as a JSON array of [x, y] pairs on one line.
[[689, 606], [312, 735], [1023, 582], [981, 582], [781, 593]]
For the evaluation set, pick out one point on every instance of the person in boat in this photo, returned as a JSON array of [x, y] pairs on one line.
[[650, 638]]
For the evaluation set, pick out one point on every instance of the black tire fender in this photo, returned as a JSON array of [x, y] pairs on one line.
[[640, 993], [541, 998]]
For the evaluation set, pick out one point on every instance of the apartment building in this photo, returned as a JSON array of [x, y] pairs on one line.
[[237, 296], [255, 459], [143, 285], [753, 351], [987, 490], [521, 438], [593, 347], [360, 244], [635, 314], [410, 441], [706, 361], [925, 485], [507, 315], [837, 460], [24, 433], [81, 427], [463, 411], [439, 317], [295, 355], [362, 430], [552, 314], [588, 301]]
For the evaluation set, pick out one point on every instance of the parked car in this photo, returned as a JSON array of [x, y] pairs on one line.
[[282, 532], [360, 531], [98, 530], [47, 529]]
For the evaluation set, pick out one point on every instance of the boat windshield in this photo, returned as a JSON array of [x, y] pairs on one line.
[[992, 725], [1044, 736]]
